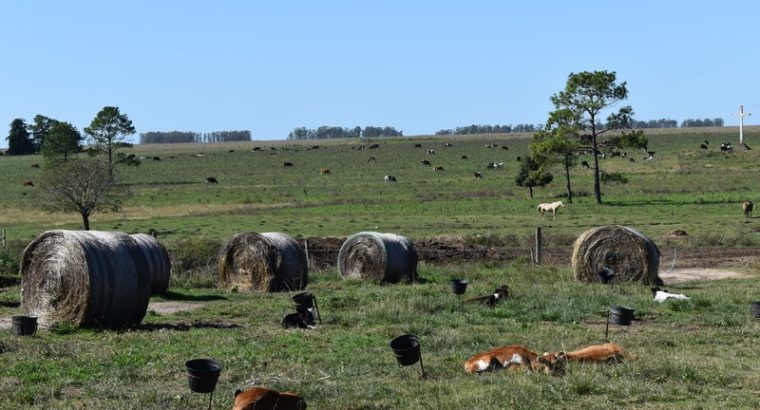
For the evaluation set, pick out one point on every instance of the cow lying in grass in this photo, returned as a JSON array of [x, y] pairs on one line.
[[604, 353], [261, 398], [552, 207], [747, 209], [516, 357], [501, 293]]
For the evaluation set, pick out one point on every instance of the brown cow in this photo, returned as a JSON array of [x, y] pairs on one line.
[[747, 209], [261, 398], [324, 171], [27, 183]]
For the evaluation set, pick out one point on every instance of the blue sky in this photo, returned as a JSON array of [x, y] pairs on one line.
[[419, 66]]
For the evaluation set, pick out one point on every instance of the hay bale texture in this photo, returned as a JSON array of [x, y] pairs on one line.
[[86, 278], [269, 262], [383, 257], [159, 264], [632, 256]]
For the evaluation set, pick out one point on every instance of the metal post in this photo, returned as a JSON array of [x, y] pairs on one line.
[[539, 245], [607, 327], [3, 239], [306, 250]]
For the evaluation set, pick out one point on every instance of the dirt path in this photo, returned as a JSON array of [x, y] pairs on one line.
[[694, 274]]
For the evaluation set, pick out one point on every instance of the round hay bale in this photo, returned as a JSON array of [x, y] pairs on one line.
[[384, 257], [631, 256], [86, 278], [159, 264], [269, 261]]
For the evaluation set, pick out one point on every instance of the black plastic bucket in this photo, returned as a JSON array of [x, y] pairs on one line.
[[304, 300], [754, 309], [202, 374], [24, 325], [459, 286], [407, 349], [621, 315], [606, 275]]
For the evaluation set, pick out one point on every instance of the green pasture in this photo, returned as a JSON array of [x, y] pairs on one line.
[[692, 354], [682, 188]]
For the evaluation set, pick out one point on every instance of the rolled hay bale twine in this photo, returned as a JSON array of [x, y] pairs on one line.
[[384, 257], [159, 264], [632, 256], [86, 278], [268, 261]]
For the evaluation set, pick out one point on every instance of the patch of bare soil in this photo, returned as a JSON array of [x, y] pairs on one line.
[[693, 274], [168, 308]]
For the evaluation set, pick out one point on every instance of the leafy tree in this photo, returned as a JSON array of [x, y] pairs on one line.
[[532, 174], [108, 131], [40, 129], [19, 142], [83, 186], [559, 142], [62, 140], [587, 95]]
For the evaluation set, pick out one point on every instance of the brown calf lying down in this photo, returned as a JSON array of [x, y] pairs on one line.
[[604, 353], [261, 398], [516, 357]]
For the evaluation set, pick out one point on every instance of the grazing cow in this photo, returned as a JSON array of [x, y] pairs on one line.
[[27, 182], [703, 146], [726, 146], [425, 162], [198, 155], [747, 208], [661, 295], [495, 165], [287, 164], [389, 178], [256, 149], [516, 357], [374, 146], [156, 158], [431, 151], [211, 180], [35, 165], [438, 168], [448, 144], [504, 147], [463, 157], [550, 207], [231, 150], [417, 145], [312, 147], [631, 159], [585, 164], [324, 171], [518, 158], [261, 398], [371, 159], [477, 175], [493, 145]]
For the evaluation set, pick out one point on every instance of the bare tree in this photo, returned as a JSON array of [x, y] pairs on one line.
[[83, 186]]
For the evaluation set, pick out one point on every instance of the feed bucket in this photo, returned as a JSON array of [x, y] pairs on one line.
[[307, 300], [202, 374], [621, 315], [754, 308], [407, 349], [24, 325], [459, 286]]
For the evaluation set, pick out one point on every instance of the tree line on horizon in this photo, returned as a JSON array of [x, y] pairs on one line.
[[325, 132], [179, 137]]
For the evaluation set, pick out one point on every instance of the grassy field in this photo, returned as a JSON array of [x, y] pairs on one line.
[[683, 188], [692, 354]]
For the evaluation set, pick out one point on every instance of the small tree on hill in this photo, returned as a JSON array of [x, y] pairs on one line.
[[19, 142], [558, 142], [40, 129], [62, 140], [532, 174], [82, 186], [108, 131]]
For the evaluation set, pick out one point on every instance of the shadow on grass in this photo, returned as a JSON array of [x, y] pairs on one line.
[[668, 202], [184, 326], [7, 281], [9, 304], [169, 295]]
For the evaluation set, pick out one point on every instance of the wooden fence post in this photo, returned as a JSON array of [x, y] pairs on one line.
[[3, 239], [539, 246]]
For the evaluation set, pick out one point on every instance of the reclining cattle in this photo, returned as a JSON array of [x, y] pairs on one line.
[[389, 178], [516, 357]]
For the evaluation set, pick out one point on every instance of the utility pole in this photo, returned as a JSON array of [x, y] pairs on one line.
[[741, 114]]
